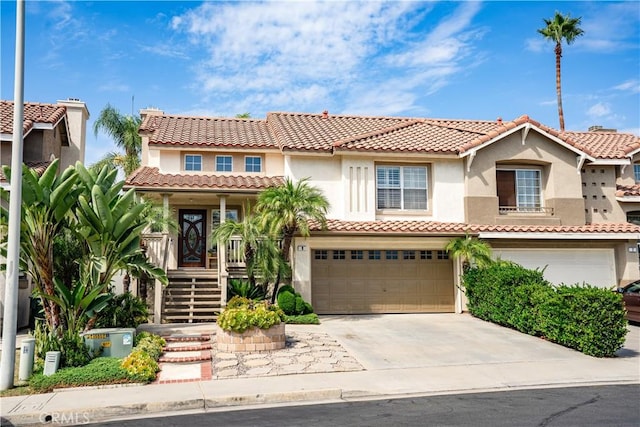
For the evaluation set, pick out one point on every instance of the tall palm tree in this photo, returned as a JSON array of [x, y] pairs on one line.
[[124, 131], [286, 209], [470, 250], [561, 27], [259, 250]]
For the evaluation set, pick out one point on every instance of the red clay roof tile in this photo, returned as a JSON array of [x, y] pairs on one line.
[[207, 132], [627, 190], [146, 178], [33, 113], [450, 228]]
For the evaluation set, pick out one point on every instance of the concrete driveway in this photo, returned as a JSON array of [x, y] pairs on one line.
[[397, 341]]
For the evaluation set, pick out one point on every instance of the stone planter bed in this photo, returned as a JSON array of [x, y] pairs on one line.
[[251, 340]]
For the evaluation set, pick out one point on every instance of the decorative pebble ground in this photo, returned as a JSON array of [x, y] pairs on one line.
[[304, 352]]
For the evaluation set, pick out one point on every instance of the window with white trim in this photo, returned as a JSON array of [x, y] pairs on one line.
[[636, 171], [224, 163], [519, 189], [253, 164], [401, 187], [192, 162]]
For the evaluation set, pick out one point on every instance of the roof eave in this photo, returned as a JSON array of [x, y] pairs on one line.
[[534, 235]]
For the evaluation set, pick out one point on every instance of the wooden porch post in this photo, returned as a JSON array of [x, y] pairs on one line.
[[223, 274]]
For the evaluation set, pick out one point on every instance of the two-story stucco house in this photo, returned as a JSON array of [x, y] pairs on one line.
[[400, 189], [50, 131]]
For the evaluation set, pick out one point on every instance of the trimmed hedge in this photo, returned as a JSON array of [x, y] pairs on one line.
[[292, 303], [585, 318]]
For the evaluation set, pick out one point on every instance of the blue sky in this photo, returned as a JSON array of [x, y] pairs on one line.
[[467, 60]]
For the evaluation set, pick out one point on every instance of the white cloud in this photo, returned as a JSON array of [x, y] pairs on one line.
[[610, 27], [304, 54], [601, 109], [631, 86]]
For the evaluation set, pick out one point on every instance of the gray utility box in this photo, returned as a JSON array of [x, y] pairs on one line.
[[114, 342]]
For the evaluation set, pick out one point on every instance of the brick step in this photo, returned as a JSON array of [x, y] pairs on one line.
[[204, 355], [187, 338], [196, 347]]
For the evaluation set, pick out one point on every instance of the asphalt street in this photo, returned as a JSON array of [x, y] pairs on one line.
[[615, 405]]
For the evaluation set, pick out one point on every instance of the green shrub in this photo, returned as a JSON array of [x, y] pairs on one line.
[[101, 370], [287, 302], [585, 318], [242, 314], [144, 336], [73, 351], [303, 319], [588, 319], [287, 288], [123, 311]]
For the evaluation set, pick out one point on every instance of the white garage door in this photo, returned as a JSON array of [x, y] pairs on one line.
[[569, 266]]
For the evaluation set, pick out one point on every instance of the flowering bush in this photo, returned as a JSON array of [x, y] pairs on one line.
[[142, 363], [242, 314]]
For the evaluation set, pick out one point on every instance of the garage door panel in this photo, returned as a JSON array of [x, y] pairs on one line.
[[569, 266], [405, 284]]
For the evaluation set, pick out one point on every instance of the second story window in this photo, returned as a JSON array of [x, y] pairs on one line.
[[193, 162], [636, 172], [519, 190], [224, 163], [252, 164], [401, 187]]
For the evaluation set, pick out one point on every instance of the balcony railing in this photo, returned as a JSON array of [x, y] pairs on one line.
[[506, 210]]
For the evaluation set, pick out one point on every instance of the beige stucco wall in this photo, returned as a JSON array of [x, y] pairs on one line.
[[359, 191], [448, 191], [561, 183], [599, 193], [169, 161], [326, 175], [274, 164]]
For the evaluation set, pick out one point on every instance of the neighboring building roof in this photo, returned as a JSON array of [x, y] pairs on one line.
[[207, 132], [628, 190], [606, 145], [448, 228], [34, 113], [148, 178]]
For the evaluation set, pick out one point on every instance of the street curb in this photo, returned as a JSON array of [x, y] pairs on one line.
[[107, 413], [266, 398]]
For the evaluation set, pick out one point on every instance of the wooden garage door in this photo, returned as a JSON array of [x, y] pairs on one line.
[[381, 281]]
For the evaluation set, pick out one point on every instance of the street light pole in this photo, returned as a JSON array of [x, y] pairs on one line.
[[10, 322]]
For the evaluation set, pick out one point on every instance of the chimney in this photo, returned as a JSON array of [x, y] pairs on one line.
[[499, 120], [325, 114], [597, 128], [150, 111]]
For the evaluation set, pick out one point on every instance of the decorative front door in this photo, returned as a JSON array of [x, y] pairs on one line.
[[191, 248]]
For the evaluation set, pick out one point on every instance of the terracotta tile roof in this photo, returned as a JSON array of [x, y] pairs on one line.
[[207, 132], [507, 126], [39, 167], [627, 190], [151, 178], [606, 145], [450, 228], [315, 133], [322, 133], [33, 113]]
